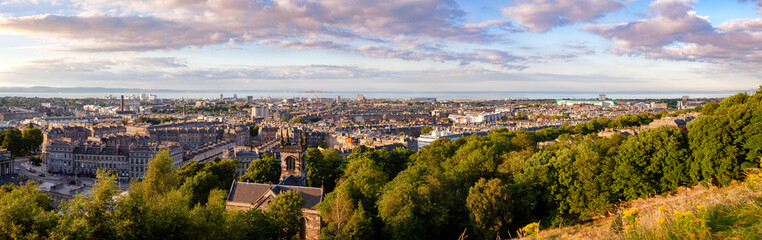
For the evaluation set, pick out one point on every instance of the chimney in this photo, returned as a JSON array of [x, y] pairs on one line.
[[121, 105]]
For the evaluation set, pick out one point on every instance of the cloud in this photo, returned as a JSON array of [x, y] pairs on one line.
[[176, 73], [676, 32], [543, 15], [409, 30], [178, 24]]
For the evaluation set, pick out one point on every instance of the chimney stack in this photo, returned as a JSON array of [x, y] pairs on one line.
[[121, 105]]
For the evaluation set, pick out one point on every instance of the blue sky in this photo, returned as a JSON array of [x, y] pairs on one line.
[[427, 45]]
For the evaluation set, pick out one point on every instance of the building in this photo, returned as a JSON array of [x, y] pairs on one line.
[[480, 117], [127, 161], [596, 102], [244, 196], [244, 156], [425, 140], [260, 112], [8, 114], [293, 159], [6, 163]]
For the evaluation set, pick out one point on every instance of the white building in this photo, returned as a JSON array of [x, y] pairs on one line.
[[597, 102], [425, 140], [260, 112], [480, 117]]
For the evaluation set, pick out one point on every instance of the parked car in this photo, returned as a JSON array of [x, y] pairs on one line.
[[42, 175]]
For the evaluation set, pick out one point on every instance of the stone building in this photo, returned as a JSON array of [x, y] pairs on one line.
[[127, 161], [244, 196], [293, 159], [6, 162]]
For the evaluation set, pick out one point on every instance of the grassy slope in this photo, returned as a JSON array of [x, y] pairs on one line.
[[732, 212]]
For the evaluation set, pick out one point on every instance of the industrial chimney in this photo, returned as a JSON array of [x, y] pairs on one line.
[[121, 105]]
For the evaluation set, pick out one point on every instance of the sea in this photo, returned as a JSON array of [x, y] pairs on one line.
[[386, 95]]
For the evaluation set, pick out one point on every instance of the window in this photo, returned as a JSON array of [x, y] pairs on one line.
[[290, 163]]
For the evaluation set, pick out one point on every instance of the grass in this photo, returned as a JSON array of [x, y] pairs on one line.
[[732, 212]]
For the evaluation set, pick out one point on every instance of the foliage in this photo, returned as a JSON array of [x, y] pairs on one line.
[[489, 204], [285, 211], [25, 213], [262, 170], [323, 168], [253, 130], [654, 161], [413, 205], [297, 120], [426, 130]]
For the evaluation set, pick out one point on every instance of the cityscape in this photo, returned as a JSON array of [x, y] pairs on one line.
[[440, 119]]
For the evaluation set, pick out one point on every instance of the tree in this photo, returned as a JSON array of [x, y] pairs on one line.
[[413, 205], [715, 156], [251, 224], [161, 177], [32, 139], [426, 130], [323, 168], [489, 205], [25, 213], [89, 217], [225, 170], [285, 211], [199, 186], [343, 218], [651, 162], [14, 142], [253, 130], [262, 170], [709, 108], [297, 120], [188, 170]]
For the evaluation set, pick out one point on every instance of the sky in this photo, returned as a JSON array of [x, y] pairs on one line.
[[383, 45]]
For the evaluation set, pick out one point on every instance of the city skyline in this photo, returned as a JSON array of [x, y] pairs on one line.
[[436, 45]]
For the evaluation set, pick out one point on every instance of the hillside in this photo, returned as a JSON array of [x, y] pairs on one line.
[[698, 212]]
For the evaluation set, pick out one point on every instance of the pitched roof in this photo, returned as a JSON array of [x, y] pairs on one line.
[[254, 192]]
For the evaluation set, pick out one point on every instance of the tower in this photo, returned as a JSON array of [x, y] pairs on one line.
[[293, 157]]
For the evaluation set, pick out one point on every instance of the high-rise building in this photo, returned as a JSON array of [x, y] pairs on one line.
[[602, 97], [260, 112]]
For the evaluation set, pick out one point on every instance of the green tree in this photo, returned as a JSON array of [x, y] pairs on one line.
[[25, 213], [653, 161], [709, 108], [297, 120], [32, 139], [489, 205], [253, 130], [188, 170], [714, 154], [426, 130], [285, 211], [160, 179], [14, 142], [251, 224], [343, 217], [262, 170], [323, 168], [413, 205], [199, 186], [90, 217]]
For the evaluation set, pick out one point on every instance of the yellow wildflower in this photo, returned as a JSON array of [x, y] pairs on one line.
[[701, 208], [661, 220], [663, 208]]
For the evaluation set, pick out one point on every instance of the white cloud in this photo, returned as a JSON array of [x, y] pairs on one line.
[[543, 15], [677, 32]]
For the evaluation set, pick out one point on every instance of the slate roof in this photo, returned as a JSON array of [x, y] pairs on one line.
[[253, 192]]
